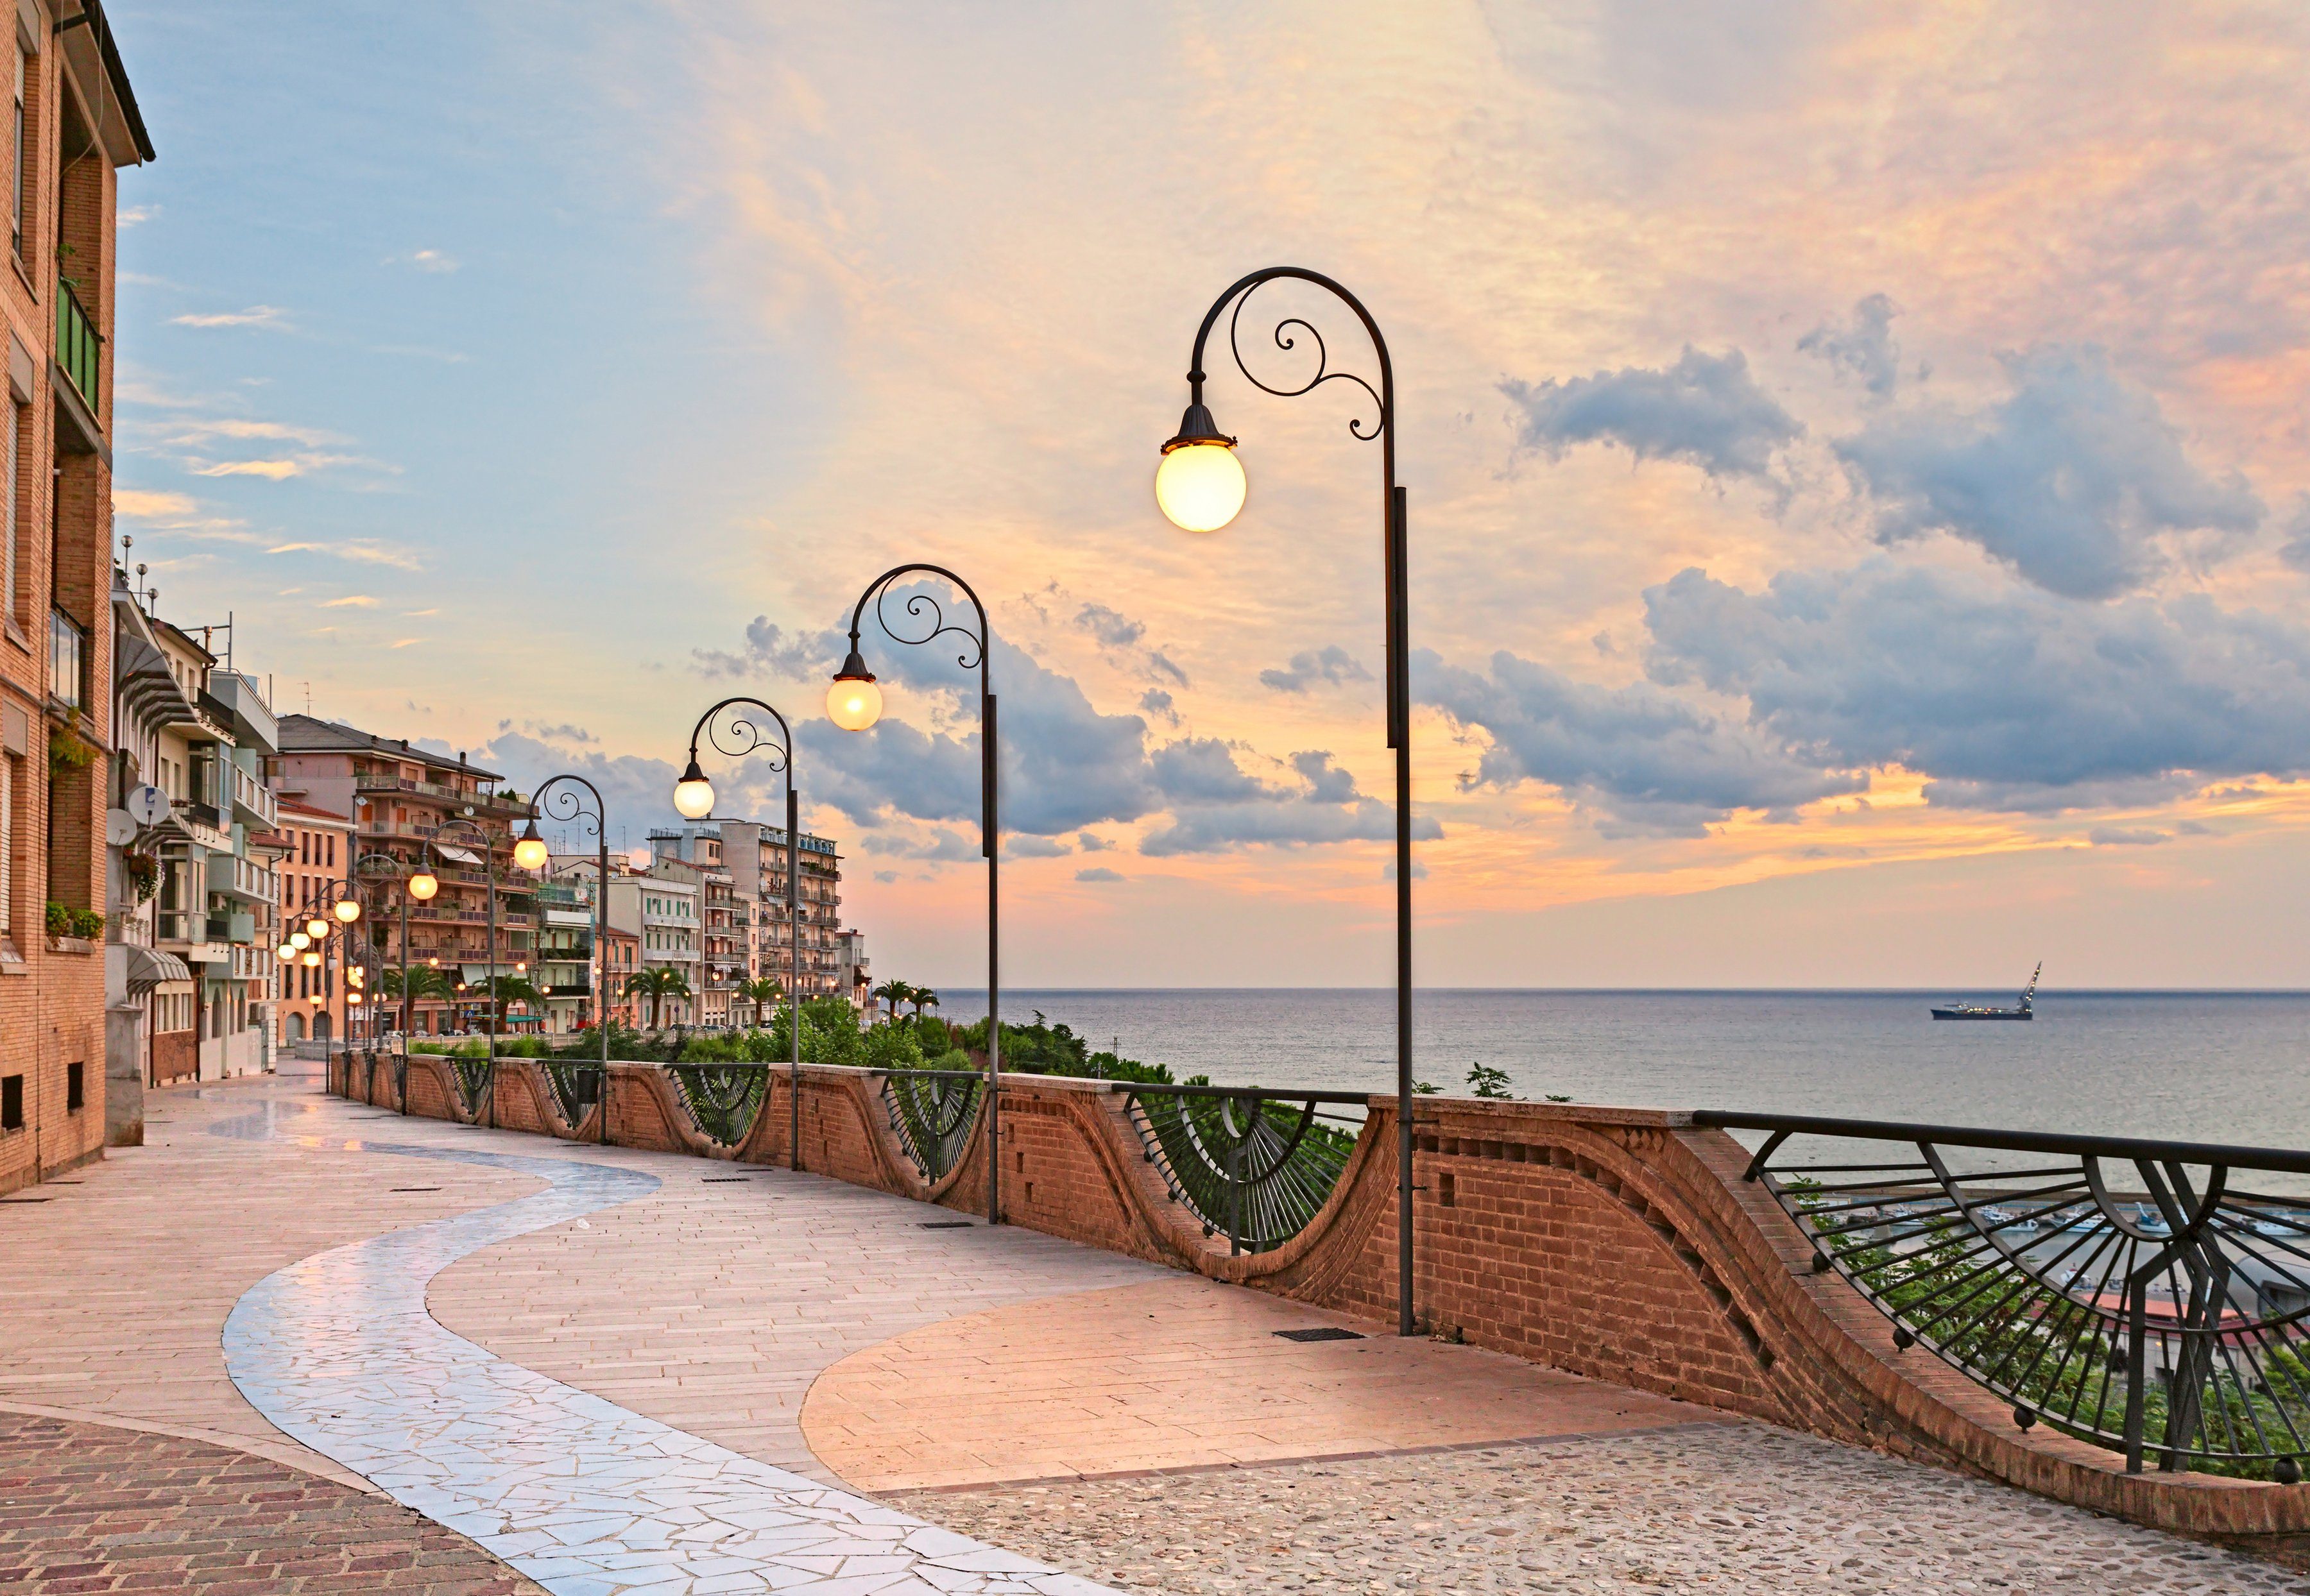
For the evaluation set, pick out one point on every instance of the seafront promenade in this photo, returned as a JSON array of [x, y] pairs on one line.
[[297, 1343]]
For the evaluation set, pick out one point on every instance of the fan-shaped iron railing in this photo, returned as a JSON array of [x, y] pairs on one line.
[[474, 1079], [576, 1084], [1255, 1163], [932, 1113], [722, 1099], [2130, 1292]]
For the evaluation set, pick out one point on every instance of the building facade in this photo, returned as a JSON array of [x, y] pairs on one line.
[[316, 856], [409, 808], [661, 906], [75, 123], [753, 857]]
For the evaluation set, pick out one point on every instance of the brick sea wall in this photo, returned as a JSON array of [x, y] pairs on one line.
[[1619, 1243]]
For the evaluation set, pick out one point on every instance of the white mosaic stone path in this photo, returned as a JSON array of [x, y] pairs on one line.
[[582, 1496]]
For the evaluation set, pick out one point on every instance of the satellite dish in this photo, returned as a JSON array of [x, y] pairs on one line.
[[120, 827], [148, 806]]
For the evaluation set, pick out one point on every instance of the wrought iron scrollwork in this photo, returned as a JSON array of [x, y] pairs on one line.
[[2127, 1293], [738, 733], [1256, 1165], [563, 800], [924, 614], [1284, 338], [934, 1113], [476, 1077], [722, 1100]]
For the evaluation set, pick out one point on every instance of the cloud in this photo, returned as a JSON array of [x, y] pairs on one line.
[[1215, 806], [1646, 760], [1155, 701], [567, 734], [271, 469], [637, 792], [768, 651], [255, 315], [142, 505], [405, 643], [135, 216], [1020, 846], [425, 260], [205, 429], [2077, 480], [1100, 873], [2004, 696], [1111, 628], [2120, 836], [2295, 551], [1862, 348], [1705, 411], [1091, 842], [1331, 665], [351, 600]]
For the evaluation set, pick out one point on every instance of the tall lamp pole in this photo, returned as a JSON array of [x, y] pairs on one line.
[[1201, 487], [855, 703], [563, 798], [311, 940], [694, 796], [420, 883]]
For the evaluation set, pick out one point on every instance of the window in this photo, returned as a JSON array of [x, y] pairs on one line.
[[12, 1103], [75, 1087], [333, 851], [23, 161], [7, 848], [9, 516]]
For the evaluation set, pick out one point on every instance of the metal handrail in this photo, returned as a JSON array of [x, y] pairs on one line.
[[1249, 1160], [2173, 1318]]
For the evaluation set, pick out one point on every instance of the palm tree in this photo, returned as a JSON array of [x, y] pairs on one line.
[[516, 989], [764, 993], [892, 993], [425, 981], [923, 998], [659, 983]]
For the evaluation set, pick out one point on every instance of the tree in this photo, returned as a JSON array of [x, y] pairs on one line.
[[922, 997], [764, 994], [516, 989], [659, 983], [892, 993], [424, 982]]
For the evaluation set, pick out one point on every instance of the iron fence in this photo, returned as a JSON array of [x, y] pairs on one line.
[[934, 1113], [2130, 1293], [1255, 1163]]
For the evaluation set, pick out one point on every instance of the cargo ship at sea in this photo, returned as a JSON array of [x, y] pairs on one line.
[[1985, 1012]]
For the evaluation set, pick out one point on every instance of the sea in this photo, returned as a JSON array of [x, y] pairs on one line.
[[2200, 1066]]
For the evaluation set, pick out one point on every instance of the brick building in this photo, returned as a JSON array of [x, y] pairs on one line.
[[75, 122], [410, 807]]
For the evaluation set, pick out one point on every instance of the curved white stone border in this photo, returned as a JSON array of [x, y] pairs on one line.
[[578, 1494]]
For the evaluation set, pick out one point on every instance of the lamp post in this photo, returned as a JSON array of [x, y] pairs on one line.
[[563, 799], [694, 796], [419, 883], [855, 703], [324, 933], [481, 837], [1201, 487]]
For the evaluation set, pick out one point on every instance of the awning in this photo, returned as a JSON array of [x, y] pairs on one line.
[[457, 854], [148, 967]]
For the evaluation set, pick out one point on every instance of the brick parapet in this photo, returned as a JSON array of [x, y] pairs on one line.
[[1623, 1245]]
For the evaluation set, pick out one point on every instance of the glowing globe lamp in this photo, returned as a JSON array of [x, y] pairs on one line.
[[285, 952], [853, 701], [423, 885], [347, 910], [693, 795], [316, 929], [530, 851], [1200, 485], [299, 940]]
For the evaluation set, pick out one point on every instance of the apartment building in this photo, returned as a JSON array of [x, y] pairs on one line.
[[316, 858], [75, 124], [191, 891], [754, 855], [662, 907], [410, 808]]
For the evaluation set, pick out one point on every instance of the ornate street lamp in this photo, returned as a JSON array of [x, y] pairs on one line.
[[1200, 486], [853, 703], [318, 937], [693, 795], [563, 798]]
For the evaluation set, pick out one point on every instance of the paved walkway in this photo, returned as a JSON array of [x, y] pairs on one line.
[[629, 1357]]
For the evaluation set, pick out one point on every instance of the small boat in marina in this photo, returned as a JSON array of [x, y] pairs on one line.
[[1985, 1012]]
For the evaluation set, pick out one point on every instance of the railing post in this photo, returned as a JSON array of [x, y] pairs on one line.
[[1235, 1189], [2137, 1359]]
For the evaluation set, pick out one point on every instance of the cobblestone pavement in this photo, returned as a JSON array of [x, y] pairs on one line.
[[89, 1508], [1710, 1509]]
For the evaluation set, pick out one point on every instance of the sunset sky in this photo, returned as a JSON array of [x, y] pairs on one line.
[[1858, 457]]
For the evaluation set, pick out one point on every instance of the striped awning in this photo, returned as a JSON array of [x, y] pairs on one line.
[[148, 967]]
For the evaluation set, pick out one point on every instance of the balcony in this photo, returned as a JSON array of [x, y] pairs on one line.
[[497, 802], [68, 654], [253, 800], [79, 345], [243, 878], [232, 926], [253, 964]]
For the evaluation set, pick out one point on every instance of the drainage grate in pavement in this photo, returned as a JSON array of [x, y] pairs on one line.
[[724, 1180], [1322, 1333], [415, 1188], [950, 1224]]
